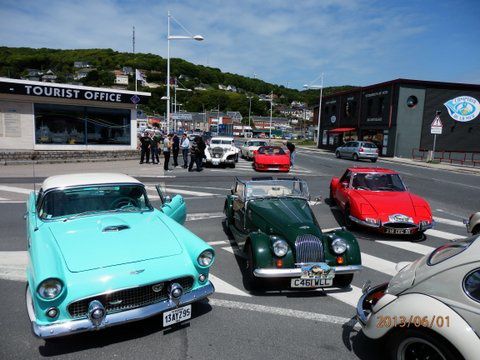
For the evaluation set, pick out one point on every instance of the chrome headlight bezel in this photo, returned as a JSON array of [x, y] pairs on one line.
[[279, 246], [205, 259], [339, 246], [50, 289]]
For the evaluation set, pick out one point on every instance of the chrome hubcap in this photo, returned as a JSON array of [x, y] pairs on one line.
[[417, 348]]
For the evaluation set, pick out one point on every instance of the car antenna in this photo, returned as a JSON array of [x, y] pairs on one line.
[[34, 157]]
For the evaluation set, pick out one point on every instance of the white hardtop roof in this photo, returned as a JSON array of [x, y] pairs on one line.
[[222, 138], [60, 181]]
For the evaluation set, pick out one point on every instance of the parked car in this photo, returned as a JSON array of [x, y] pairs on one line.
[[377, 198], [271, 158], [101, 255], [473, 223], [222, 151], [272, 223], [431, 308], [357, 150], [248, 148]]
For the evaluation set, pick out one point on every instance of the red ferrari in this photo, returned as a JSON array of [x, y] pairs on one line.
[[378, 199], [268, 158]]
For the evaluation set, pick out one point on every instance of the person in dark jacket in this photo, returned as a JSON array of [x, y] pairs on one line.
[[154, 148], [175, 149], [291, 148], [193, 154], [200, 153], [145, 143]]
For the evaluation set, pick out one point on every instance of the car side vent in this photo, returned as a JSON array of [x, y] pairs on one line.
[[115, 228]]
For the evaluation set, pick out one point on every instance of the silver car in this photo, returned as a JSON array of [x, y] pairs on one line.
[[431, 307], [357, 150]]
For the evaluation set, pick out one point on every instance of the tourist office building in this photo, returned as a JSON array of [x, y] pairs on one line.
[[48, 116], [397, 116]]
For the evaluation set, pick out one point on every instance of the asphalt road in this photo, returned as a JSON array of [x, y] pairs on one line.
[[234, 323]]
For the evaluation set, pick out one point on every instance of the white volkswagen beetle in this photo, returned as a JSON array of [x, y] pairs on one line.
[[221, 151], [431, 308]]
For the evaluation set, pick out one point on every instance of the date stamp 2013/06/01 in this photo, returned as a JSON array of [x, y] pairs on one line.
[[413, 320]]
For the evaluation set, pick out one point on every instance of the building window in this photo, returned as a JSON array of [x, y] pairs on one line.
[[350, 108], [381, 106], [369, 107], [76, 125], [412, 101]]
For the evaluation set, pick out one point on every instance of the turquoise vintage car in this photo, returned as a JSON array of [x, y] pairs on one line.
[[100, 255], [272, 222]]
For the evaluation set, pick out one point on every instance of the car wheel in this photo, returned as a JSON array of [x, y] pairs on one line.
[[337, 154], [346, 218], [418, 343], [476, 230], [374, 160], [251, 281], [355, 157], [342, 281], [232, 165], [331, 200]]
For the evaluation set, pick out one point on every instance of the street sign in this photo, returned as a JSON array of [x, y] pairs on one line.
[[436, 127], [135, 99]]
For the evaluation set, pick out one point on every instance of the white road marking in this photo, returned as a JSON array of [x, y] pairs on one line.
[[12, 202], [213, 243], [3, 199], [204, 216], [202, 187], [449, 213], [378, 264], [449, 222], [15, 189], [349, 297], [182, 192], [306, 315], [234, 250], [444, 235], [225, 288], [409, 246], [13, 265]]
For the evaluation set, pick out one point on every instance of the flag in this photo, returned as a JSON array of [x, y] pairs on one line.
[[139, 75]]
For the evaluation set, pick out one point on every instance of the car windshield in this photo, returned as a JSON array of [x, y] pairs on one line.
[[257, 143], [276, 188], [85, 200], [271, 150], [221, 142], [378, 182]]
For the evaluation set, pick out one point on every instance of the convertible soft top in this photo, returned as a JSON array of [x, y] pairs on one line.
[[59, 181]]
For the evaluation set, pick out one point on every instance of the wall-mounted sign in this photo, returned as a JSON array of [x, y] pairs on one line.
[[333, 119], [436, 127], [74, 92], [463, 108]]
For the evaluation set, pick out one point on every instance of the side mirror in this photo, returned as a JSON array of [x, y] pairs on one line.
[[345, 185], [167, 199]]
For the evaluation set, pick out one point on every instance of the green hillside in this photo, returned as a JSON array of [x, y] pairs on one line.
[[14, 63]]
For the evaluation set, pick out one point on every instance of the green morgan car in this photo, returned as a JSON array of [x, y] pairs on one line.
[[101, 255], [272, 223]]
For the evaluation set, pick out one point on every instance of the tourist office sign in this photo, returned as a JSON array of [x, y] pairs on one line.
[[72, 93]]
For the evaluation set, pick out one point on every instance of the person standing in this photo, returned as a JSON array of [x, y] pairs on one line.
[[201, 153], [154, 148], [175, 149], [185, 145], [193, 154], [167, 147], [145, 143], [291, 148]]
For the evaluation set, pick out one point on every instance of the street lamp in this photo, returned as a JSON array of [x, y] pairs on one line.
[[175, 37], [271, 113], [319, 106], [249, 110]]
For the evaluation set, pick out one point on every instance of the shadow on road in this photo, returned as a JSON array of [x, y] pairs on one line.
[[355, 341], [117, 334]]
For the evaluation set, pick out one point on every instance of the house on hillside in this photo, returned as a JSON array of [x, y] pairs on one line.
[[33, 74], [128, 70], [222, 87], [120, 78], [82, 65], [232, 88], [49, 76], [235, 116], [82, 73]]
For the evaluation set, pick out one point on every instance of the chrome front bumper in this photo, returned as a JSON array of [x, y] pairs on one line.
[[416, 227], [82, 325], [297, 272], [362, 311]]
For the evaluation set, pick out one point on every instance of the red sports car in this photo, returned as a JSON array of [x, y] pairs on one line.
[[378, 199], [271, 158]]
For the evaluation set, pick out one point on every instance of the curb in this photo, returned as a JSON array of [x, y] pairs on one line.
[[63, 161]]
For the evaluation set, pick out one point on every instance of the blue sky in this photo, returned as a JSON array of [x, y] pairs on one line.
[[356, 42]]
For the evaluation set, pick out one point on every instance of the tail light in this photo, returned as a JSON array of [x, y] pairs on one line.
[[361, 150]]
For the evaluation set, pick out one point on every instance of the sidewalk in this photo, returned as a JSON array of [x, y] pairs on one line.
[[411, 162]]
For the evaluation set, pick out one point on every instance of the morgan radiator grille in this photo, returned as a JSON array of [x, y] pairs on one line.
[[309, 248], [127, 299]]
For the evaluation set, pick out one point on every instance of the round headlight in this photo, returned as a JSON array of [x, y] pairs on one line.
[[339, 246], [205, 258], [280, 248], [50, 289]]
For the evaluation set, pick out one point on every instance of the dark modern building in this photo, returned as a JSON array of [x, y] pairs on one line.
[[397, 116]]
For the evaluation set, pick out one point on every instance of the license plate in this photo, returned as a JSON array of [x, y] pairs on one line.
[[177, 315], [398, 231], [310, 283], [273, 168]]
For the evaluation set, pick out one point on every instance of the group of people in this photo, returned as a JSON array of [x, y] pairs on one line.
[[153, 144]]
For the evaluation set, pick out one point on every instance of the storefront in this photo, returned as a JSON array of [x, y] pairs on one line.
[[40, 116], [397, 116]]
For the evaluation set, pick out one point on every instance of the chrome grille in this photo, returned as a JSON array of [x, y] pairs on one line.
[[127, 299], [309, 248], [217, 152]]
